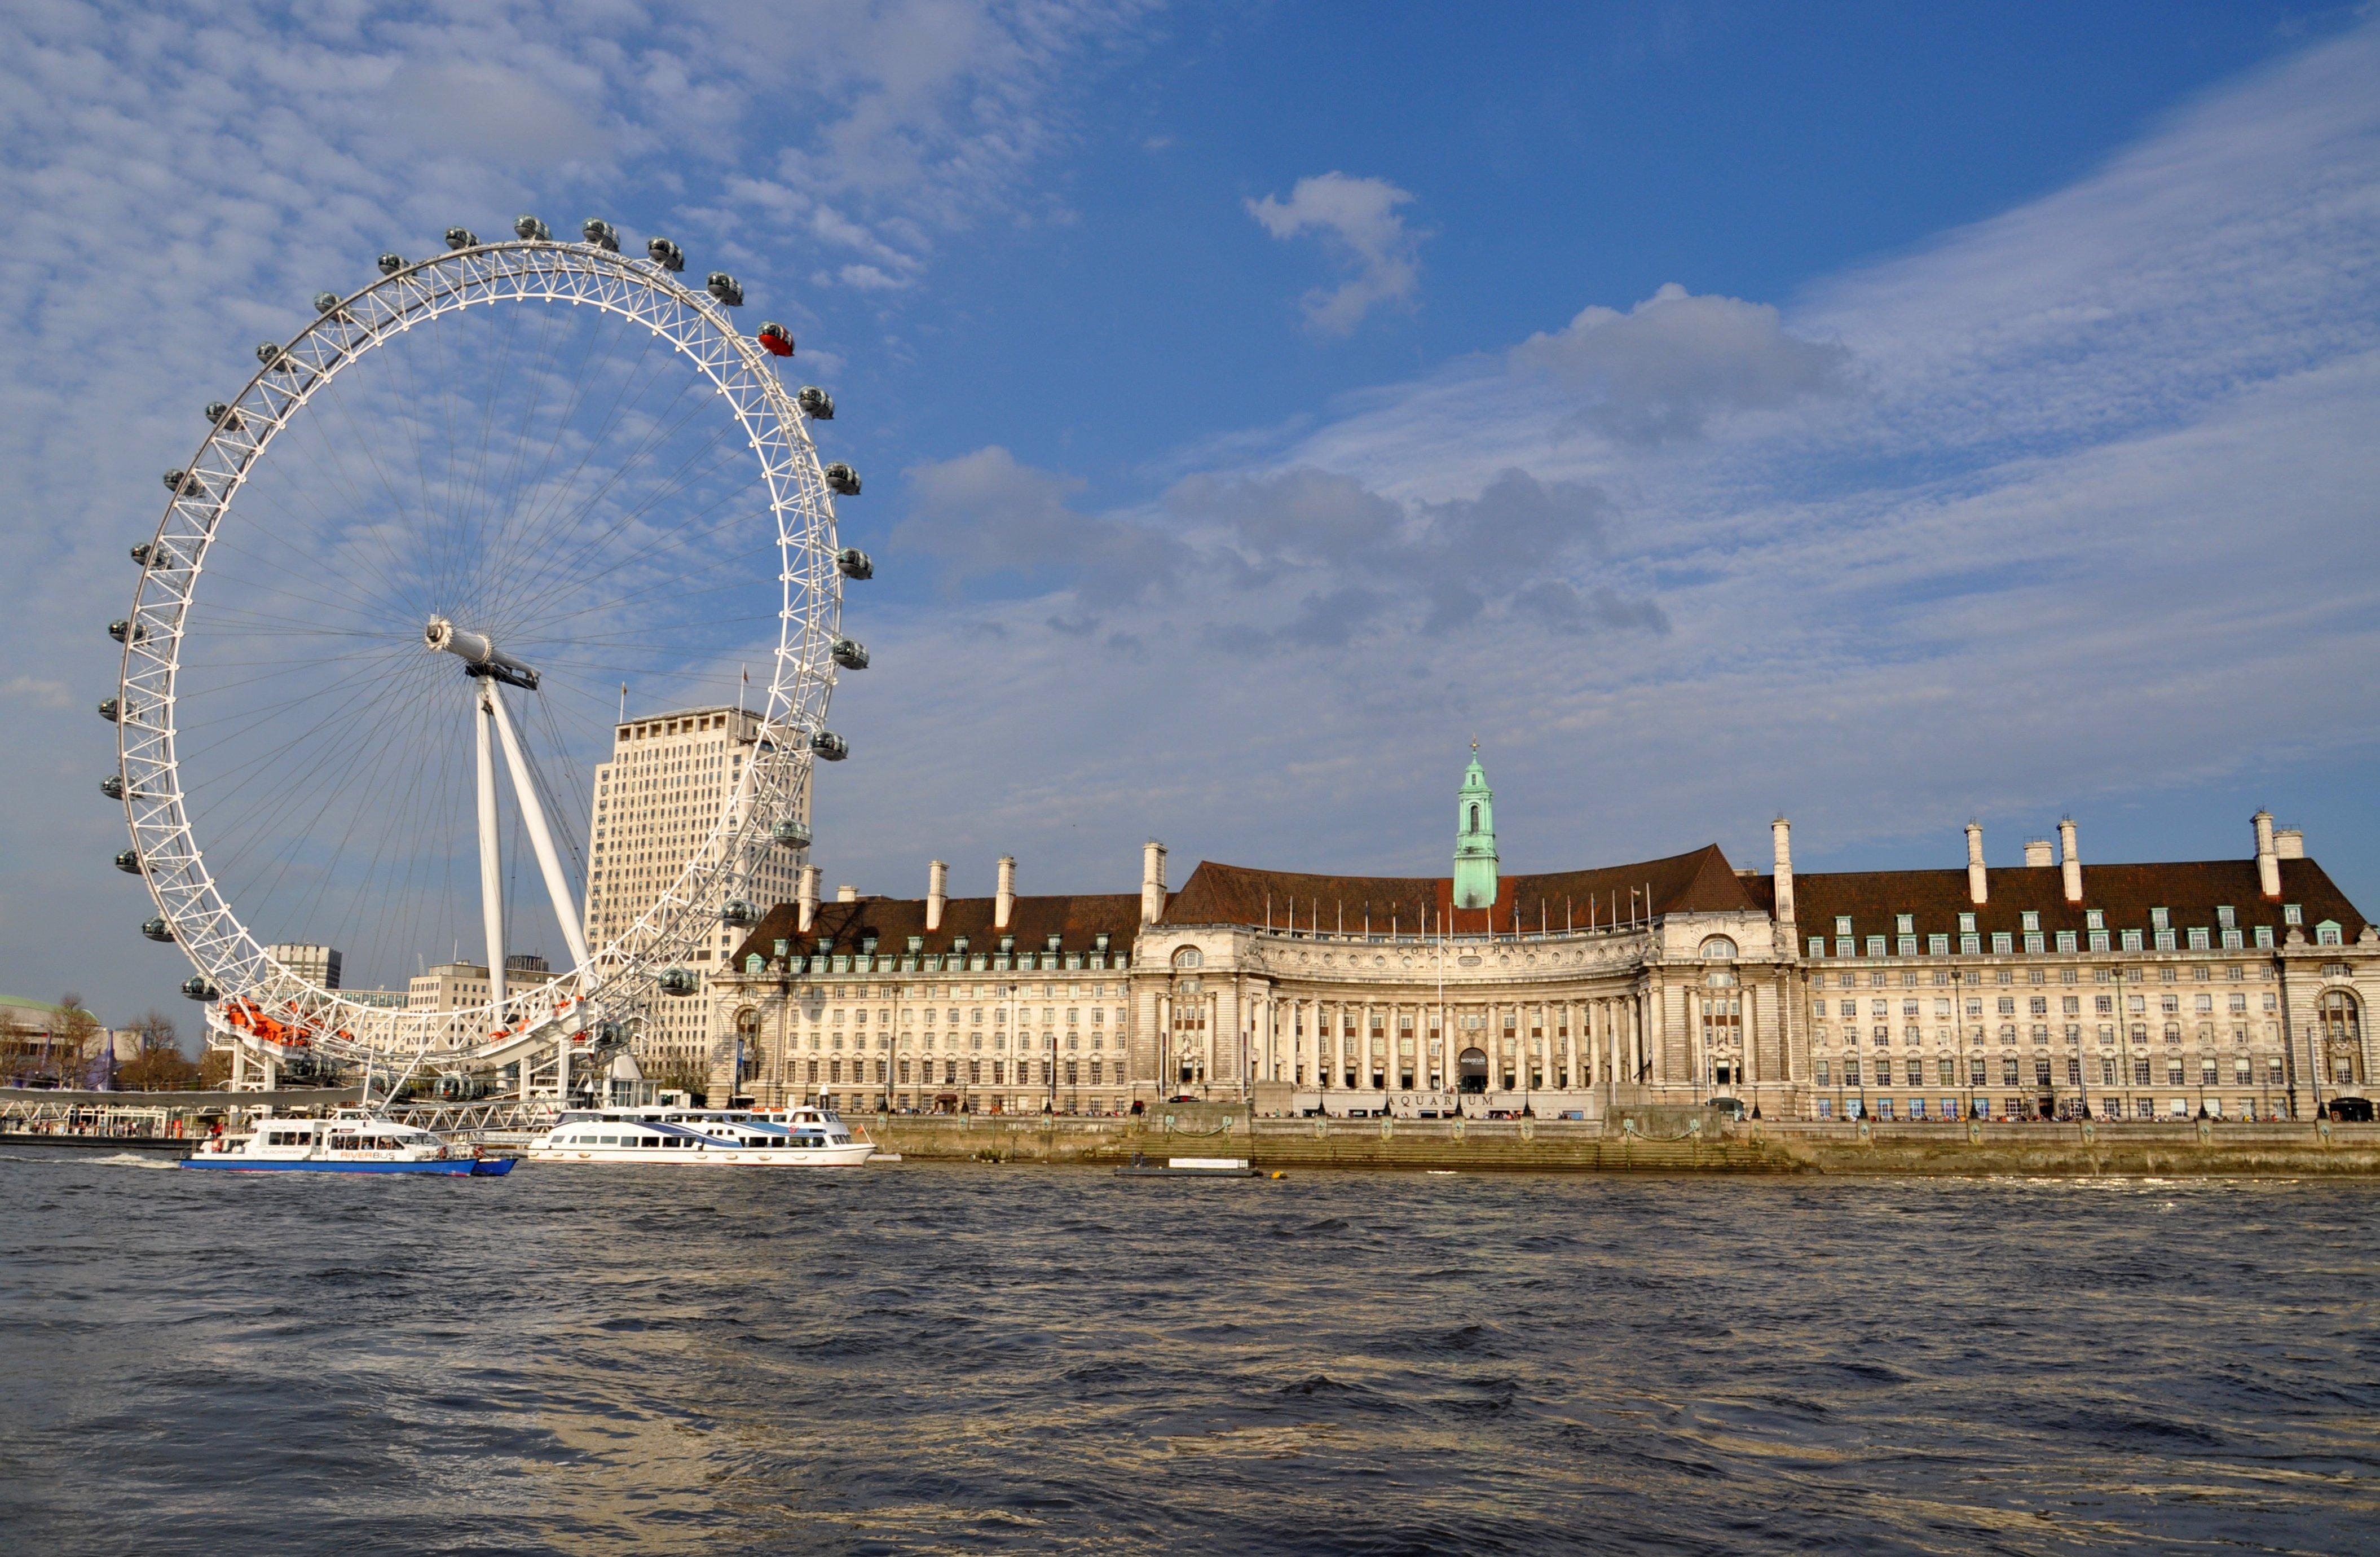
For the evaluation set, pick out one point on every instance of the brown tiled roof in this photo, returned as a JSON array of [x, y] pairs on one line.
[[1073, 919], [2191, 890], [1699, 881]]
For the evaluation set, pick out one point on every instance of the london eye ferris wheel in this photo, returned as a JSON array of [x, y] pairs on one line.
[[395, 600]]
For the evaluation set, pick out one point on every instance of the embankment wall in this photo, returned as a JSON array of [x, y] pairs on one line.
[[1563, 1146]]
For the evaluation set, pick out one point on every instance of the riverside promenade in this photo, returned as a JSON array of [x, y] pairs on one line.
[[1666, 1141]]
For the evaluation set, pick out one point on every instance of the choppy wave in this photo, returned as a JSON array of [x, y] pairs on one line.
[[949, 1359]]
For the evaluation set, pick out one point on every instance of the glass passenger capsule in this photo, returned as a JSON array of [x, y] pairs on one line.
[[816, 403], [853, 563], [842, 479]]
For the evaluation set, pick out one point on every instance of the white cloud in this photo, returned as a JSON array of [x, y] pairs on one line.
[[2068, 509], [1663, 368], [484, 112], [1358, 222]]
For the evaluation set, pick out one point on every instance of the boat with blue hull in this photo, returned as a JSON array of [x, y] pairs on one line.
[[343, 1143]]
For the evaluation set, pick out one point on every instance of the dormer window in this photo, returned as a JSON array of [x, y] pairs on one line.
[[2223, 918], [1842, 924], [2094, 918], [2160, 919], [2031, 921], [1904, 924], [2293, 913], [1966, 924]]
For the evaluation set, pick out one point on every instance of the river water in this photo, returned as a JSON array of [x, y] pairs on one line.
[[970, 1359]]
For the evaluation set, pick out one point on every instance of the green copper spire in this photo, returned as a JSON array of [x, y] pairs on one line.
[[1475, 838]]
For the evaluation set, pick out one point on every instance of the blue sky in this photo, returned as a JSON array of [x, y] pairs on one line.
[[1884, 415]]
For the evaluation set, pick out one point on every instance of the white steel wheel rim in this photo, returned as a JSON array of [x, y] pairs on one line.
[[622, 976]]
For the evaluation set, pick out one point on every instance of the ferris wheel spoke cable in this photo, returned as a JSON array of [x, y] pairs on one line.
[[604, 329], [477, 506], [634, 378], [611, 603], [545, 528], [244, 819], [668, 583], [409, 809], [382, 777], [503, 559], [245, 718], [394, 798], [334, 600], [333, 750], [680, 535], [335, 447], [562, 521], [365, 440]]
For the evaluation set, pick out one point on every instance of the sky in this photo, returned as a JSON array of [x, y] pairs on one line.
[[1880, 416]]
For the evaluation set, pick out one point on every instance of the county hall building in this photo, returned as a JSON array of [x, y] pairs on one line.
[[2237, 988]]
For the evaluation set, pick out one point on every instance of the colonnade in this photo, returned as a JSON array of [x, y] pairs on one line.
[[1315, 1040]]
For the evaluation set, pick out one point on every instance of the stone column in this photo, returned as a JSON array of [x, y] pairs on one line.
[[1162, 1059]]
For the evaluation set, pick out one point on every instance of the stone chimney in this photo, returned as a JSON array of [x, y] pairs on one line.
[[2268, 859], [1003, 905], [1977, 890], [1780, 832], [1152, 881], [2289, 842], [938, 881], [2039, 854], [2068, 861], [846, 893], [807, 896]]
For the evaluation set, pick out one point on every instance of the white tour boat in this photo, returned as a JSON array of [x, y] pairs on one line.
[[805, 1138], [346, 1143]]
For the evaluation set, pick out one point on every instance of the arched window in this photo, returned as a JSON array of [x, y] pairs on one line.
[[1718, 948], [1189, 956], [2342, 1036], [1475, 816]]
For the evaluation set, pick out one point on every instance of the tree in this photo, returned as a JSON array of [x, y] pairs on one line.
[[84, 1057], [158, 1070], [23, 1053], [214, 1068], [691, 1076], [157, 1031]]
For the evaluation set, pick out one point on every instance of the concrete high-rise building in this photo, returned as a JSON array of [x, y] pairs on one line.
[[459, 986], [671, 779], [318, 966]]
